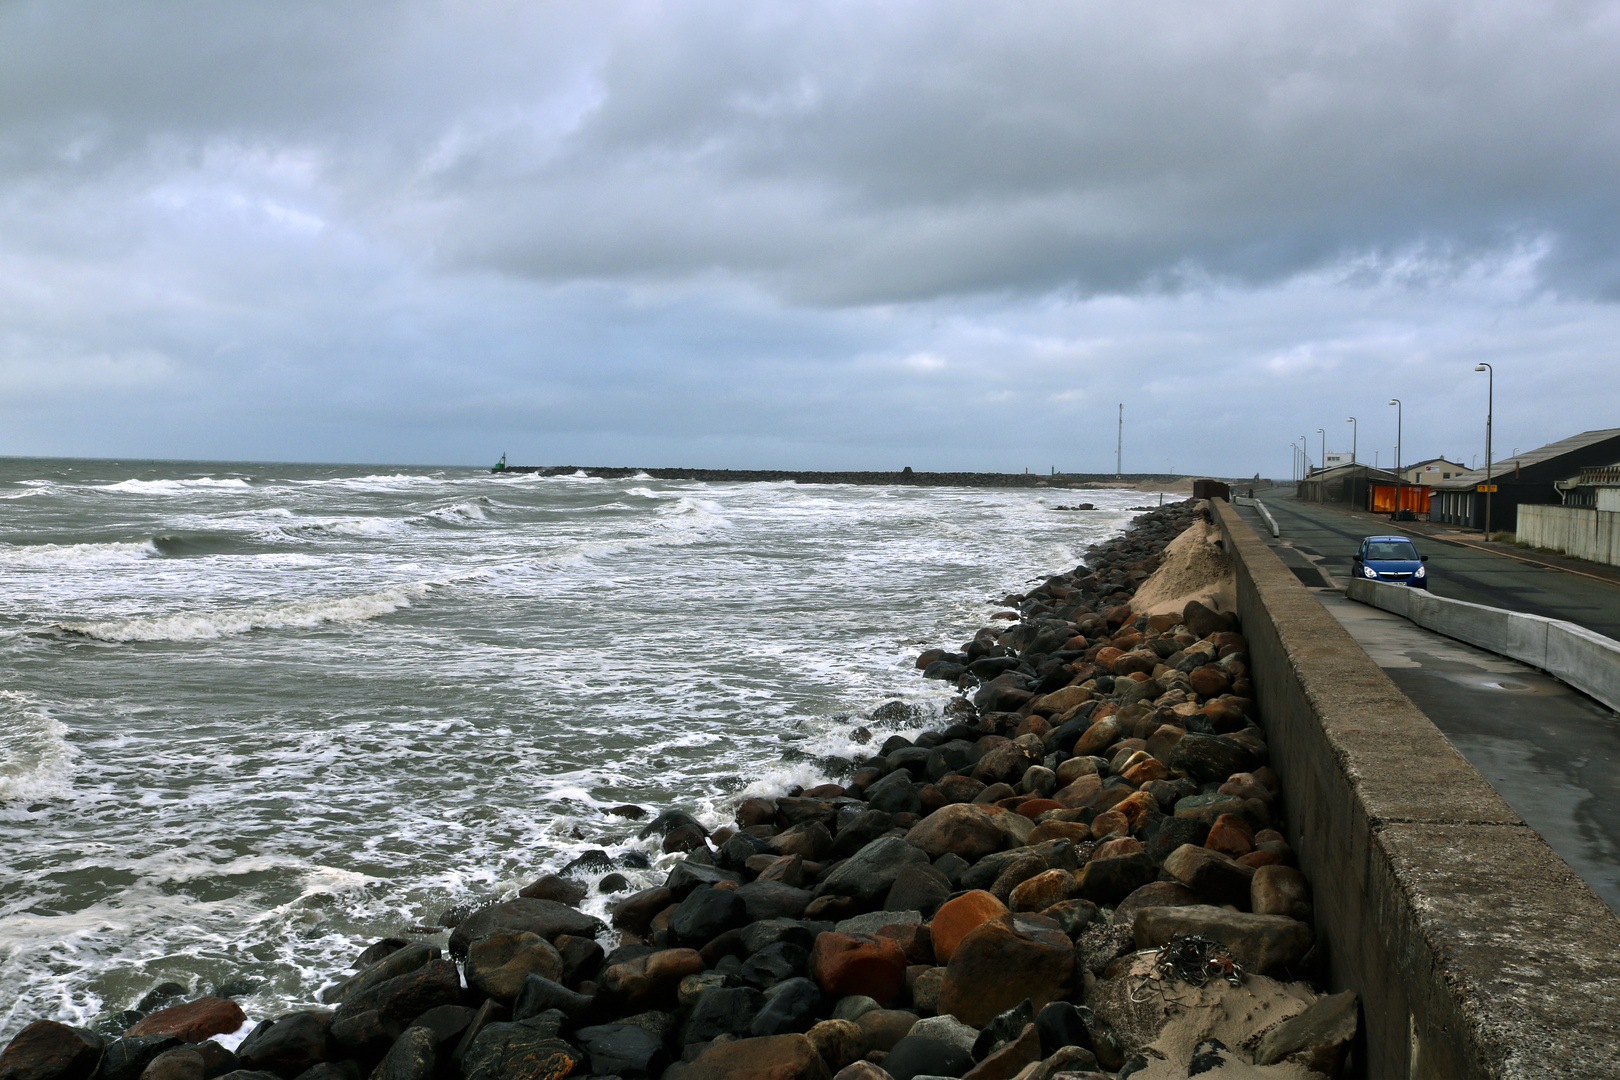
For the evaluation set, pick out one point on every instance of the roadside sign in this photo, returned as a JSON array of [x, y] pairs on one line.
[[1485, 487]]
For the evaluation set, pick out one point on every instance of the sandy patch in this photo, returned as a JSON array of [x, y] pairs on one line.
[[1166, 1027], [1195, 567]]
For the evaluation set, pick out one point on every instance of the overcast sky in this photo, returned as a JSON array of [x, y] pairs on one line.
[[823, 234]]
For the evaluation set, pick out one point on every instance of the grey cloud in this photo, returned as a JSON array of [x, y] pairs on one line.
[[859, 152]]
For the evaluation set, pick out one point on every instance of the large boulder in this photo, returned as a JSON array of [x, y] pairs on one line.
[[922, 1055], [524, 1050], [964, 829], [1110, 880], [410, 995], [622, 1050], [644, 980], [773, 1057], [193, 1021], [1263, 944], [844, 964], [1317, 1038], [704, 915], [1216, 879], [546, 918], [867, 875], [47, 1050], [1002, 962], [497, 964], [414, 1056], [289, 1044], [960, 916]]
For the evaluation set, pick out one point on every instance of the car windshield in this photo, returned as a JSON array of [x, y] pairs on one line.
[[1392, 551]]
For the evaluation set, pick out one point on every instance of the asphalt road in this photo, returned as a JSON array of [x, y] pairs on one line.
[[1552, 753], [1457, 571]]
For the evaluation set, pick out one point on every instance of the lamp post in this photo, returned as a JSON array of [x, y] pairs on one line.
[[1395, 401], [1305, 454], [1355, 429], [1322, 433], [1295, 448], [1490, 407]]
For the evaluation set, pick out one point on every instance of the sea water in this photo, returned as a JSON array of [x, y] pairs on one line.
[[254, 717]]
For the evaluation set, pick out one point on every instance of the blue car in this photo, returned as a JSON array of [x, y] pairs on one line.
[[1391, 558]]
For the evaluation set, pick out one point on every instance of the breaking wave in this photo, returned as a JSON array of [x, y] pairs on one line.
[[36, 761], [205, 626], [179, 487], [76, 554]]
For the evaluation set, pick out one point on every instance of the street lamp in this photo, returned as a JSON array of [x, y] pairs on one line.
[[1322, 433], [1355, 428], [1295, 448], [1305, 453], [1395, 401], [1490, 407]]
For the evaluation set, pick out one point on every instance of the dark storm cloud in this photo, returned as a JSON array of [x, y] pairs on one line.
[[855, 153], [796, 233]]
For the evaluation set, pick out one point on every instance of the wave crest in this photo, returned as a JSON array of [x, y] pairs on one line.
[[206, 626], [76, 554], [36, 760]]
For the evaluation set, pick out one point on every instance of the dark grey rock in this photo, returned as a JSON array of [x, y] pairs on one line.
[[791, 1007], [722, 1011]]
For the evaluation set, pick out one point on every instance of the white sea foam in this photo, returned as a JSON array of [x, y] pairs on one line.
[[206, 625], [76, 554], [460, 512], [36, 760], [352, 526], [180, 487]]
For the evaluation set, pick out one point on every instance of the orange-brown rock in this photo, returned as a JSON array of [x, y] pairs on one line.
[[775, 1057], [1043, 890], [1106, 656], [193, 1021], [645, 979], [1231, 836], [1108, 823], [1258, 859], [958, 917], [1061, 700], [1136, 807], [1245, 786], [1146, 770], [1125, 845], [1080, 793], [1077, 832], [1034, 808], [1098, 737], [844, 964], [1209, 681], [1002, 962], [1137, 661]]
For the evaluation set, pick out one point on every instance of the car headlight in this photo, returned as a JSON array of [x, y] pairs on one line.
[[1368, 571], [1422, 571]]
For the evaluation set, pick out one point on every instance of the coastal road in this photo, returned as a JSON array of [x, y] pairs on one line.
[[1552, 752], [1461, 572]]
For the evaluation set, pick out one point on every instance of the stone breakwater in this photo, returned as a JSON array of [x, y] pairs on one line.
[[902, 476], [1079, 874]]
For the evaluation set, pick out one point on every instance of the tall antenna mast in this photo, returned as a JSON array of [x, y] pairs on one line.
[[1119, 445]]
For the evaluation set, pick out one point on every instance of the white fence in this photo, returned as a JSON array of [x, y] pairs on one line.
[[1573, 654], [1573, 530]]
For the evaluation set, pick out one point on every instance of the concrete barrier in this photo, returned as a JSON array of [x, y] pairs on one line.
[[1574, 530], [1587, 661], [1477, 952]]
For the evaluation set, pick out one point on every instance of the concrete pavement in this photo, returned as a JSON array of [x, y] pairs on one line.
[[1551, 752]]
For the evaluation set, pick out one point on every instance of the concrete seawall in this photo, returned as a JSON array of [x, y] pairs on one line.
[[1477, 951], [1587, 661]]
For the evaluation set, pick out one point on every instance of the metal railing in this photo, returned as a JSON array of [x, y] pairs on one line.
[[1600, 476]]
